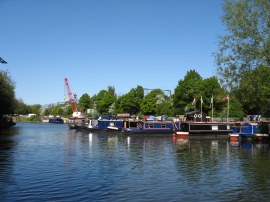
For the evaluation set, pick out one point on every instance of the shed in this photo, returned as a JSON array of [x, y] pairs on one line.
[[196, 116]]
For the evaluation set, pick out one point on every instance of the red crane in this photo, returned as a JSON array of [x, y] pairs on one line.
[[71, 97]]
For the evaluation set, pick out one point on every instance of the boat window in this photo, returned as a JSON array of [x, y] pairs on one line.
[[133, 124], [151, 125], [163, 125]]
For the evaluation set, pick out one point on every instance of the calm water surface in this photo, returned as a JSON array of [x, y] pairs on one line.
[[47, 162]]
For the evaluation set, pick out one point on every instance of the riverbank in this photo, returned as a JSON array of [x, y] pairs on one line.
[[6, 122]]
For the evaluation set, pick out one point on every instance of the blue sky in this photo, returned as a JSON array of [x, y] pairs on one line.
[[101, 43]]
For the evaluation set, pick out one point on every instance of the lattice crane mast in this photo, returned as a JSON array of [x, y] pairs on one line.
[[71, 97]]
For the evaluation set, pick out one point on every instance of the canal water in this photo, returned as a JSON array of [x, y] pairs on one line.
[[47, 162]]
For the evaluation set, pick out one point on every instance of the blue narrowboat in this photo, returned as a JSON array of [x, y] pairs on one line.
[[56, 120], [246, 130], [102, 125], [136, 126]]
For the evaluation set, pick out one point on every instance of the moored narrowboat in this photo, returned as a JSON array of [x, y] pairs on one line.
[[136, 126], [103, 125], [56, 120], [250, 130], [76, 123], [203, 128]]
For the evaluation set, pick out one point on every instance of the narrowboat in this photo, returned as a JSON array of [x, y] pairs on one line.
[[56, 120], [76, 123], [135, 126], [115, 125], [203, 128], [103, 125], [196, 123], [250, 130]]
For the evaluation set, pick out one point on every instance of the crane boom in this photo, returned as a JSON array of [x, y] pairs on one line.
[[70, 96]]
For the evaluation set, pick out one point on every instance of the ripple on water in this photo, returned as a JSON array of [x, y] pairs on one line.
[[51, 163]]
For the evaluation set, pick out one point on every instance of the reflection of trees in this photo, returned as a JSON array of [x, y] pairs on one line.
[[197, 158], [255, 165], [7, 144]]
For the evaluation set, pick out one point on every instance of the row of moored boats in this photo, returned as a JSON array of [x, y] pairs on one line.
[[235, 130]]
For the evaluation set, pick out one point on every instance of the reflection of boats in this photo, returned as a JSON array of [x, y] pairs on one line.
[[56, 120], [148, 127], [191, 128]]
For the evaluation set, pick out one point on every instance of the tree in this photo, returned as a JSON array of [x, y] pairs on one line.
[[247, 43], [254, 91], [104, 99], [68, 111], [85, 102], [21, 107], [149, 104], [186, 91], [7, 94], [211, 87], [130, 102], [35, 109]]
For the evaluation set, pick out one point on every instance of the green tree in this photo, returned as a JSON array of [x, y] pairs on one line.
[[68, 111], [254, 91], [7, 94], [149, 105], [130, 102], [164, 106], [46, 112], [35, 109], [235, 108], [247, 43], [211, 87], [21, 107], [186, 91], [85, 102], [105, 99]]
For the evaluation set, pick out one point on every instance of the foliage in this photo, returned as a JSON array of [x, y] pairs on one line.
[[68, 111], [235, 108], [34, 118], [7, 94], [149, 105], [35, 109], [104, 99], [247, 44], [192, 89], [210, 87], [254, 91], [85, 102], [21, 107], [186, 91], [130, 102]]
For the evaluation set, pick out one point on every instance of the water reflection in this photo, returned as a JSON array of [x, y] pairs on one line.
[[245, 165], [8, 144], [53, 163]]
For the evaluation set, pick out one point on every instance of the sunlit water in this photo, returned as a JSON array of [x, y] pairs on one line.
[[47, 162]]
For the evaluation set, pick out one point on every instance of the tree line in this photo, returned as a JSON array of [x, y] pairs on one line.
[[243, 74]]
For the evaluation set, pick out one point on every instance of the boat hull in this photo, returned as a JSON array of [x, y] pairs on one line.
[[152, 127], [203, 128]]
